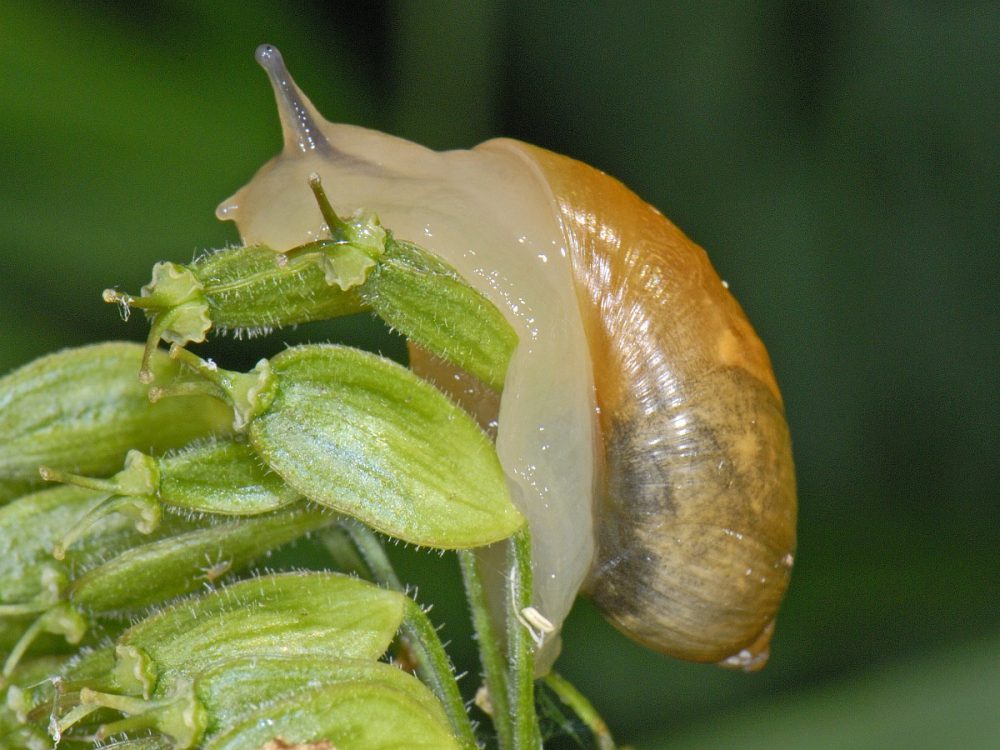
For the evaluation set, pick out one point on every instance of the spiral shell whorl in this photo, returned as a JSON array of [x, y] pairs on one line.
[[696, 521]]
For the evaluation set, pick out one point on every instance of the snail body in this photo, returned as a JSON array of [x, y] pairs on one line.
[[640, 427]]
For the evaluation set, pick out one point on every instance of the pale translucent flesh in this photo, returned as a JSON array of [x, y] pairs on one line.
[[488, 212]]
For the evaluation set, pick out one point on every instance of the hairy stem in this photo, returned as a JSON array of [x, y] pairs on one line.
[[490, 655], [433, 665], [521, 658], [582, 707]]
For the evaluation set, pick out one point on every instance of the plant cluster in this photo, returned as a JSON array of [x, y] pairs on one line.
[[141, 490]]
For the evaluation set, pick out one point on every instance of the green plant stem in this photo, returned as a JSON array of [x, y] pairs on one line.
[[490, 656], [34, 607], [433, 665], [582, 707], [436, 670], [69, 720], [343, 553], [521, 658], [373, 554]]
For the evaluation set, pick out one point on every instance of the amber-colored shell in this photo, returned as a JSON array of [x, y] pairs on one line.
[[696, 514]]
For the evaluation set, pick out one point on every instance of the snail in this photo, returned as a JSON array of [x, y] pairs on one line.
[[640, 427]]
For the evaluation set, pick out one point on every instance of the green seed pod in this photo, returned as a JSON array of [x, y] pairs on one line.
[[82, 410], [30, 527], [224, 694], [245, 290], [33, 585], [347, 716], [55, 705], [176, 564], [227, 690], [180, 563], [366, 437], [58, 620], [426, 300], [321, 615], [222, 477], [253, 289], [150, 573], [28, 688]]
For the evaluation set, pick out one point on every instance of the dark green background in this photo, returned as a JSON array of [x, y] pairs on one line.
[[838, 160]]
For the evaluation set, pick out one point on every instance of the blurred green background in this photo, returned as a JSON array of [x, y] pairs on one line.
[[839, 161]]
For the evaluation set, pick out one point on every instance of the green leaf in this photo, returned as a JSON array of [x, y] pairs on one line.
[[350, 716], [368, 438]]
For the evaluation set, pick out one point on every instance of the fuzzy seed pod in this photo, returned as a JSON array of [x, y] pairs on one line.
[[81, 410], [252, 289], [364, 436]]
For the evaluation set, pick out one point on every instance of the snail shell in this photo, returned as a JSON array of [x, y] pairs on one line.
[[641, 428]]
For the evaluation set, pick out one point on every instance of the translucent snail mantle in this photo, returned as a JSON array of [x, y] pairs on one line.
[[641, 427]]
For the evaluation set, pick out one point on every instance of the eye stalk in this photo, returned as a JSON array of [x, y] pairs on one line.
[[298, 117]]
